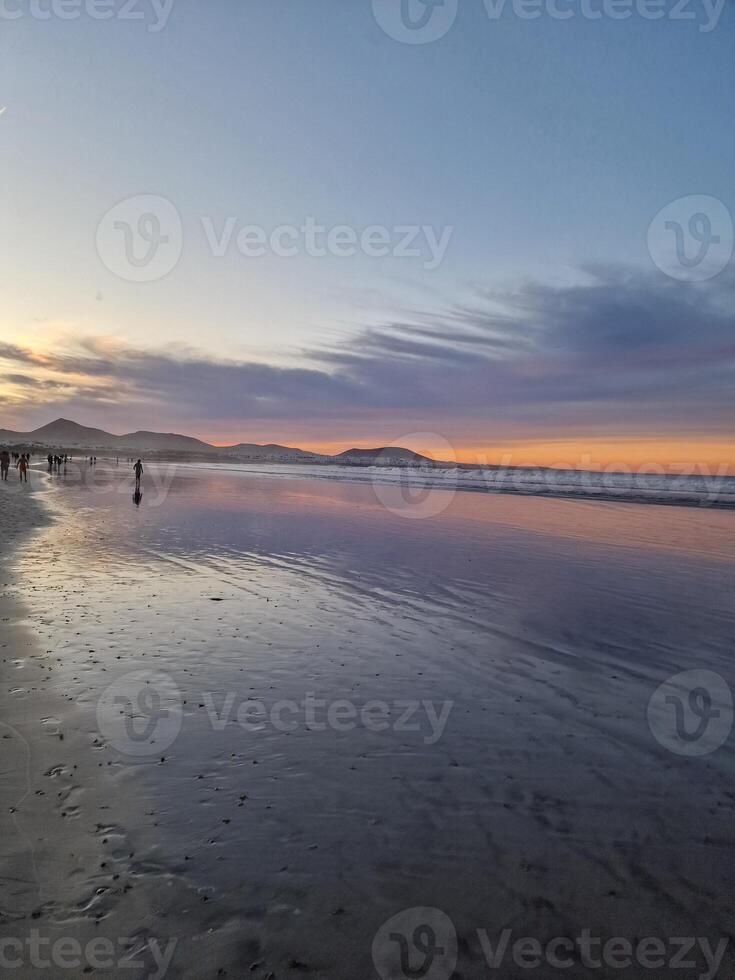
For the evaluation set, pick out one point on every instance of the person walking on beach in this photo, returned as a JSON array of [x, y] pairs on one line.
[[138, 470], [23, 469], [4, 464]]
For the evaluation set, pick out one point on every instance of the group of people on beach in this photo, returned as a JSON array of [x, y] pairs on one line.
[[21, 460], [56, 462]]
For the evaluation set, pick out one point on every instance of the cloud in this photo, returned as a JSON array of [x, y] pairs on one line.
[[10, 352], [28, 381], [617, 350]]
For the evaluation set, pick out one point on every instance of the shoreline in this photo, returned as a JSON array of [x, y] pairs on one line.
[[408, 479], [691, 491], [78, 863]]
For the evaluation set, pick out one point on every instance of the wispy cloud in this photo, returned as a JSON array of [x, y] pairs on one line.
[[618, 349]]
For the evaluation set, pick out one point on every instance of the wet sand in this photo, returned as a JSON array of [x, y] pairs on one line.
[[544, 803], [68, 870]]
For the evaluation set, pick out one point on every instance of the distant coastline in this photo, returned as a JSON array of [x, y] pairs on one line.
[[69, 437], [385, 466]]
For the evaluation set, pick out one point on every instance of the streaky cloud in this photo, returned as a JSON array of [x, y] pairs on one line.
[[619, 346]]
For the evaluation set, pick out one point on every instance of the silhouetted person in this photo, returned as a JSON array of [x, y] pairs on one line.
[[23, 469], [138, 470], [4, 464]]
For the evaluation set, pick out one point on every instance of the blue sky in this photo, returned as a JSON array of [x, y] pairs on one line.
[[544, 145]]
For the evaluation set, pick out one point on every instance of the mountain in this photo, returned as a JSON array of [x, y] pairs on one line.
[[166, 442], [386, 456], [64, 434], [60, 432]]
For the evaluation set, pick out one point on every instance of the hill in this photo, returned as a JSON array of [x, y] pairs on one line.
[[167, 442], [385, 456], [61, 432], [65, 435]]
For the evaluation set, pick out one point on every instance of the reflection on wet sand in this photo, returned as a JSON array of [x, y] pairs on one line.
[[541, 801]]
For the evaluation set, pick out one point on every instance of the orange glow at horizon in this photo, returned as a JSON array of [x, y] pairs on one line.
[[664, 454]]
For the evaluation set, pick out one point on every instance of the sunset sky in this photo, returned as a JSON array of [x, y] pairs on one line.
[[545, 331]]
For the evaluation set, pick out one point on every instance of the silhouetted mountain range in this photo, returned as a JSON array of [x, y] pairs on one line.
[[64, 434]]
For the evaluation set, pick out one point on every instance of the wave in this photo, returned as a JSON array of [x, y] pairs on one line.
[[641, 486]]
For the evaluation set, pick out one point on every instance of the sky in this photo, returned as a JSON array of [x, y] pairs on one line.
[[480, 229]]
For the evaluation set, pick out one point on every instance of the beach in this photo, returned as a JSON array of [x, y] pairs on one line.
[[250, 719]]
